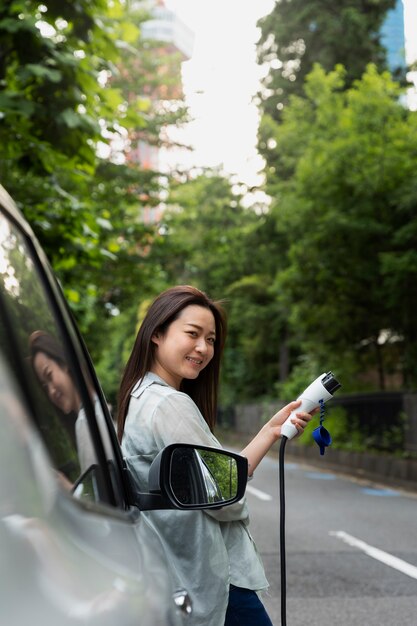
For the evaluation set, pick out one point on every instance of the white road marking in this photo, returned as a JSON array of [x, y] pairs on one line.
[[375, 553], [258, 494]]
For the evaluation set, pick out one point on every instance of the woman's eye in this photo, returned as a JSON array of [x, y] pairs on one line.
[[46, 380], [211, 340]]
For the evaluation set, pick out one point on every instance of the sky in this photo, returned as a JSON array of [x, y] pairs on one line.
[[222, 77]]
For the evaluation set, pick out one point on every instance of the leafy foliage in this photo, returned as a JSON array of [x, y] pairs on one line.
[[63, 96], [322, 277], [208, 238], [343, 197], [297, 34]]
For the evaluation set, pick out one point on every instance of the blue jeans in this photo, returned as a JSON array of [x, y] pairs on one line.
[[245, 609]]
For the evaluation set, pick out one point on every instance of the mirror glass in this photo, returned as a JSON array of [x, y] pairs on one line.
[[200, 476]]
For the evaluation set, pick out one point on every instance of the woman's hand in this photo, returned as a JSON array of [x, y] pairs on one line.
[[271, 432], [300, 420]]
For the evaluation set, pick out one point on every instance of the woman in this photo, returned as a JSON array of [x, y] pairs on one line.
[[168, 394], [50, 366]]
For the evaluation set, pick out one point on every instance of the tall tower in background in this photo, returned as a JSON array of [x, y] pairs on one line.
[[166, 27], [176, 43], [393, 38], [171, 43]]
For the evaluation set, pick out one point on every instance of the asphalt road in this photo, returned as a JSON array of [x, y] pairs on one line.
[[351, 547]]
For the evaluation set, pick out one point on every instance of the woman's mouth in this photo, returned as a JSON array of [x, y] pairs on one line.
[[194, 361]]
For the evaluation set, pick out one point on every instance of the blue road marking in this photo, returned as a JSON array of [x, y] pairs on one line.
[[370, 491], [320, 476]]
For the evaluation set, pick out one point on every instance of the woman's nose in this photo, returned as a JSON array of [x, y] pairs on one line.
[[201, 345], [51, 390]]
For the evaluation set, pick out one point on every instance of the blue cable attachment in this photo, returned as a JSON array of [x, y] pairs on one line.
[[320, 435]]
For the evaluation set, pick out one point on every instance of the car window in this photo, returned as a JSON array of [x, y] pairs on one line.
[[58, 387]]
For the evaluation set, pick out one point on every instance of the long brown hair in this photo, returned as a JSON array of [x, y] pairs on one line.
[[41, 341], [162, 312]]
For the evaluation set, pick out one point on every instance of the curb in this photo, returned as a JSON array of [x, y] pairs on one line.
[[381, 468]]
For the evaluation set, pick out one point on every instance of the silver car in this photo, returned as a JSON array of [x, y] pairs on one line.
[[75, 547]]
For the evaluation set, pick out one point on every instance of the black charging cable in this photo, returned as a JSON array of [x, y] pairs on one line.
[[317, 393], [282, 532]]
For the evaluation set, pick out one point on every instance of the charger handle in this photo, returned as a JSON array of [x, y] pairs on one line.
[[320, 389]]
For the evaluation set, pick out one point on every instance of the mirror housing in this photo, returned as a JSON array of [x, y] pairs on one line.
[[188, 477]]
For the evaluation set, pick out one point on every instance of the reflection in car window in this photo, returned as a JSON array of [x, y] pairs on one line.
[[42, 359], [53, 373]]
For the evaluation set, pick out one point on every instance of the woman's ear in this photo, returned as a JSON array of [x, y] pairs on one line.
[[155, 338]]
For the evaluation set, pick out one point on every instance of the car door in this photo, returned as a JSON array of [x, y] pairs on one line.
[[77, 551]]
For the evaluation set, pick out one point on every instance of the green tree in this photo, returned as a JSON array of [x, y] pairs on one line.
[[66, 88], [297, 34], [202, 228], [346, 200], [209, 239], [54, 108], [55, 111]]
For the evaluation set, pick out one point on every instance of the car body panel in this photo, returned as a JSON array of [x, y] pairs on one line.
[[62, 563]]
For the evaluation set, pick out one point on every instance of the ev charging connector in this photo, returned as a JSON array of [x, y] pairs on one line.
[[320, 390]]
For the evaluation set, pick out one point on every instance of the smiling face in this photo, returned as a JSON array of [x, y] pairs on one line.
[[57, 382], [186, 347]]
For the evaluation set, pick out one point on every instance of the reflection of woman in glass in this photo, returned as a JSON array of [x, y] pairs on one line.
[[168, 395], [50, 366]]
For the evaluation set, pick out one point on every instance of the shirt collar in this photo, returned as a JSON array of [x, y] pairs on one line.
[[143, 383]]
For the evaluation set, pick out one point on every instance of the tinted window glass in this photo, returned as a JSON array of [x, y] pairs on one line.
[[60, 398]]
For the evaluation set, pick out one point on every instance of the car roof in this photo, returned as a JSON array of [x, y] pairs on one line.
[[11, 209]]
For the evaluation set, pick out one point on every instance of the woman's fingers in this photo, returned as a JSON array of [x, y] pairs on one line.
[[301, 420]]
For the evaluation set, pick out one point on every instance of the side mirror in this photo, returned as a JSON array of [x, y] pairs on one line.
[[187, 477]]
